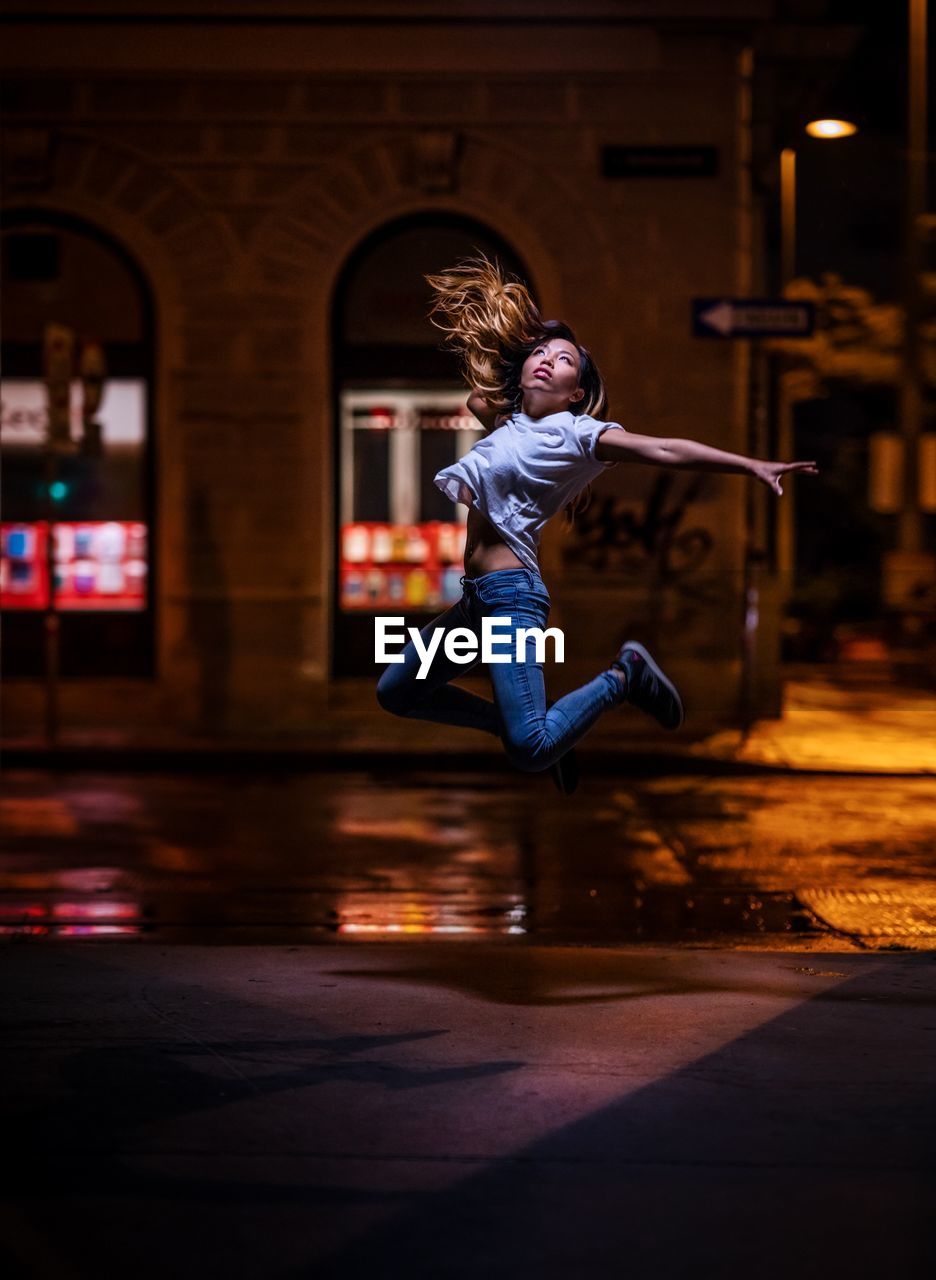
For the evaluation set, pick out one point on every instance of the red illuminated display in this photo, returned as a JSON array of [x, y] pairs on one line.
[[99, 565], [411, 566]]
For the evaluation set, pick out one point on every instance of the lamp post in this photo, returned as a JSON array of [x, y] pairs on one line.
[[787, 216]]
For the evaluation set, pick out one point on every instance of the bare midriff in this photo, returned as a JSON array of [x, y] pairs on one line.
[[485, 549]]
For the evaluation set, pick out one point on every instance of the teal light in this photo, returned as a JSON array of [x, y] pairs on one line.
[[58, 490]]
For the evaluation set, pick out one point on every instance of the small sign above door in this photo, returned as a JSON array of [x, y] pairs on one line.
[[659, 162]]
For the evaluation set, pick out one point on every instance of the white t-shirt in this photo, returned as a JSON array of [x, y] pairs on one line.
[[524, 472]]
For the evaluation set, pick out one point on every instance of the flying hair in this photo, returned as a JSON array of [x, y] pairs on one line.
[[492, 324], [486, 319]]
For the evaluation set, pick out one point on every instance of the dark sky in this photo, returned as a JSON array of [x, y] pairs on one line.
[[874, 79]]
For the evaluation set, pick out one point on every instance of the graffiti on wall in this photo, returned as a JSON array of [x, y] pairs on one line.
[[656, 539]]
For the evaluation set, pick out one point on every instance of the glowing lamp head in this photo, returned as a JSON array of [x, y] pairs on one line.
[[831, 128]]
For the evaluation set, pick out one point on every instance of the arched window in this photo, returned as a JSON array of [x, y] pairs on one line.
[[400, 416], [77, 458]]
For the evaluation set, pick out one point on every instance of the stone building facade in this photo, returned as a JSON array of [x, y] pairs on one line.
[[240, 161]]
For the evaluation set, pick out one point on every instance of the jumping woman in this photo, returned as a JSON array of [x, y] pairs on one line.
[[541, 399]]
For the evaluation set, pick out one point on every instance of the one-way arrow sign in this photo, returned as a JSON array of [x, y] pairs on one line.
[[752, 318]]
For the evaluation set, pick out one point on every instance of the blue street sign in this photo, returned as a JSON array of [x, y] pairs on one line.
[[752, 318]]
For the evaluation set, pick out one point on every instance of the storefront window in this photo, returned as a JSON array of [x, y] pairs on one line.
[[402, 540], [401, 416], [75, 451]]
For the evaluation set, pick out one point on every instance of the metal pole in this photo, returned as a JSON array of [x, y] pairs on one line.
[[51, 620], [747, 373], [911, 397], [787, 216], [58, 344], [783, 513]]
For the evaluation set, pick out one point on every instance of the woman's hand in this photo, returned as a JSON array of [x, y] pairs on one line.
[[770, 472]]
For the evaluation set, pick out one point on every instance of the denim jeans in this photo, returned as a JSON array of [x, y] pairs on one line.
[[534, 736]]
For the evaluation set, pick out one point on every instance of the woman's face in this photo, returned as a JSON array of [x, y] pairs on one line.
[[549, 378]]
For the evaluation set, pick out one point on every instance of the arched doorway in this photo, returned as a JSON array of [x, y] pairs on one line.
[[76, 309], [400, 417]]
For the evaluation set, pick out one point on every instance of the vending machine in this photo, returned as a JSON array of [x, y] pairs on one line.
[[401, 541]]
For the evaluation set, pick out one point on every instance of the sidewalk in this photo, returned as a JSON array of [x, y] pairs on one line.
[[831, 724]]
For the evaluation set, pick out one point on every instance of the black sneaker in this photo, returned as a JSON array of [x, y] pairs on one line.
[[647, 687], [565, 771]]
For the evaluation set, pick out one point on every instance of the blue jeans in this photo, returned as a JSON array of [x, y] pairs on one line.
[[533, 735]]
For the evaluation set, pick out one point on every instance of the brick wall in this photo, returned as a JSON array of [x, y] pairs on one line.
[[241, 196]]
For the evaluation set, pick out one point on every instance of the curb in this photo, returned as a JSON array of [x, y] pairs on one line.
[[635, 763]]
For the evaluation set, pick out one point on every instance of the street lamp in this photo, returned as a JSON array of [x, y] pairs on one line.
[[831, 128]]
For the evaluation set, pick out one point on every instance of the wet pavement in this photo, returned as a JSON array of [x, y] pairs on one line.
[[267, 857], [670, 1026]]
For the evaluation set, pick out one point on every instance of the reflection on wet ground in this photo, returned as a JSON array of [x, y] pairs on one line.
[[768, 860]]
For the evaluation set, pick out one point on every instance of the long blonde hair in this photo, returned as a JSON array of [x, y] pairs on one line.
[[493, 325]]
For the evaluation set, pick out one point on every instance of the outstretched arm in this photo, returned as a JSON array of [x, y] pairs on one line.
[[618, 445]]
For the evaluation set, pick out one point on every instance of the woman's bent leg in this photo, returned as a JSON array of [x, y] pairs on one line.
[[535, 736], [433, 698]]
